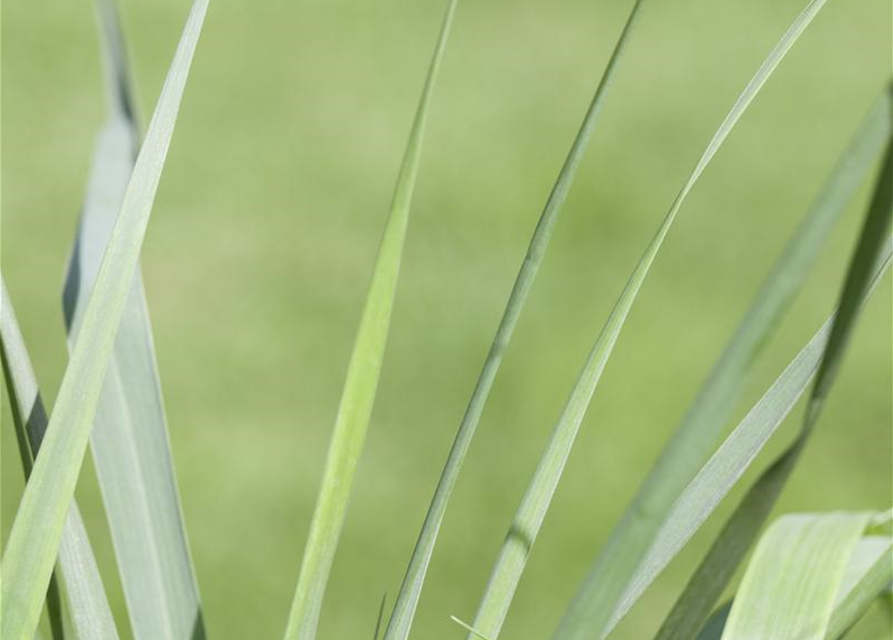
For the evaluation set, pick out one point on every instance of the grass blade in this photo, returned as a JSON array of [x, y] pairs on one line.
[[869, 550], [594, 604], [868, 573], [411, 588], [717, 568], [857, 598], [727, 465], [789, 587], [37, 529], [129, 440], [87, 603], [25, 415], [380, 617], [474, 633], [525, 527], [363, 372]]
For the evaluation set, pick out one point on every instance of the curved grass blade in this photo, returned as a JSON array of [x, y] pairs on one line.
[[862, 584], [37, 529], [24, 415], [716, 570], [411, 589], [870, 549], [29, 421], [716, 479], [727, 465], [129, 440], [87, 603], [363, 372], [528, 520], [791, 582], [380, 617], [594, 604], [474, 633], [724, 469], [854, 601]]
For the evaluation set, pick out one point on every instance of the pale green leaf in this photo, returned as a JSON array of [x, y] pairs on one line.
[[869, 550], [723, 470], [868, 264], [594, 605], [29, 421], [129, 440], [411, 588], [87, 603], [37, 529], [790, 584], [363, 373], [868, 574], [474, 633], [525, 527]]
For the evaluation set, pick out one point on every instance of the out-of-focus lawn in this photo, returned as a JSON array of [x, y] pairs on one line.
[[266, 225]]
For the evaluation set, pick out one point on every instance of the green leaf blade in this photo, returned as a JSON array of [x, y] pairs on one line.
[[713, 483], [525, 527], [868, 264], [37, 530], [596, 600], [361, 383], [80, 579], [861, 587], [790, 585], [401, 619], [129, 440]]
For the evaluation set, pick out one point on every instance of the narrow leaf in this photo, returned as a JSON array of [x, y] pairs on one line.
[[129, 441], [726, 467], [789, 587], [868, 572], [363, 373], [528, 520], [87, 603], [14, 375], [411, 588], [861, 589], [713, 483], [869, 550], [37, 529], [380, 617], [727, 551], [474, 633], [594, 604]]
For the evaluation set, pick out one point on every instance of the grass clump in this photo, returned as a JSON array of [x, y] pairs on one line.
[[110, 399]]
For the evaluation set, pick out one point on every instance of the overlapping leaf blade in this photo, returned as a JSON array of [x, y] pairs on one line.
[[29, 421], [862, 583], [363, 373], [88, 606], [870, 260], [595, 603], [407, 601], [129, 440], [868, 573], [790, 585], [525, 526], [727, 465], [37, 529]]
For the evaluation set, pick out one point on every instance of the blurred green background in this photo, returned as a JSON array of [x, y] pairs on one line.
[[266, 226]]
